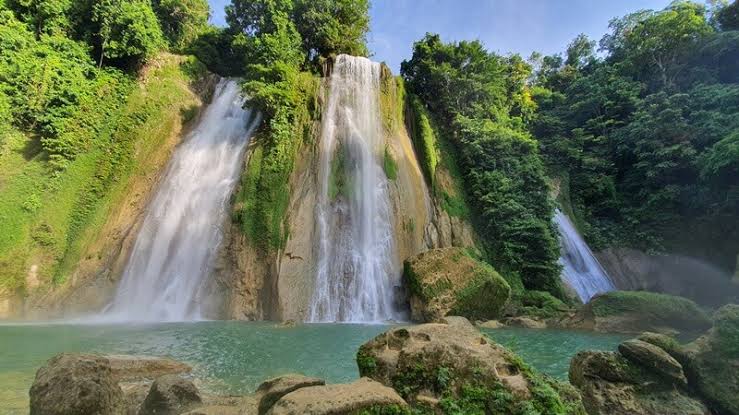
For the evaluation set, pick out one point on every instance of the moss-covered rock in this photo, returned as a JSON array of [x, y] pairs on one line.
[[449, 281], [450, 367], [611, 384], [712, 362], [640, 311]]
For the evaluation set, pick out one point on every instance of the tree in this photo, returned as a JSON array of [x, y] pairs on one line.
[[182, 21], [728, 16], [127, 31], [331, 27], [580, 52], [44, 16]]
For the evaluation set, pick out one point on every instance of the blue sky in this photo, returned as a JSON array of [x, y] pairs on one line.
[[518, 26]]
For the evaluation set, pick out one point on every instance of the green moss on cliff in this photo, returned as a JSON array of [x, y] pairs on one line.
[[49, 217], [726, 326], [287, 132], [390, 165]]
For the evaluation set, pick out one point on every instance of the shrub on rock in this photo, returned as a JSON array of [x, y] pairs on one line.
[[449, 281]]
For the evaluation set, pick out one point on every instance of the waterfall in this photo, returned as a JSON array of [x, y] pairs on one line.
[[357, 268], [581, 269], [168, 268]]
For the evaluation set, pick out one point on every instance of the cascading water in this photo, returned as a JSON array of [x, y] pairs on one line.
[[357, 266], [173, 253], [581, 270]]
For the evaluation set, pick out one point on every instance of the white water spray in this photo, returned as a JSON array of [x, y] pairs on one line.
[[357, 264], [172, 257], [581, 270]]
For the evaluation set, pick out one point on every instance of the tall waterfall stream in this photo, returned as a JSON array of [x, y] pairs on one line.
[[581, 270], [357, 265], [171, 260]]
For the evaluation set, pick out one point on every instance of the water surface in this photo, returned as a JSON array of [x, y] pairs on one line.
[[235, 357]]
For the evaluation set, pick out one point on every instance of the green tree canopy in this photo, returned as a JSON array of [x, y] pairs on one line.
[[127, 30], [182, 21]]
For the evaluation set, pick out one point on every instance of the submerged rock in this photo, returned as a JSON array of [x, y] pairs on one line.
[[449, 281], [362, 396], [639, 311], [271, 390], [72, 383], [451, 367], [127, 367]]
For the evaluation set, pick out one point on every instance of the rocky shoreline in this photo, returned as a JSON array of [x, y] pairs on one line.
[[446, 367]]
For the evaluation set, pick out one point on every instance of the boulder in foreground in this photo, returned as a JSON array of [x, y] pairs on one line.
[[360, 397], [450, 367], [271, 390], [450, 281], [72, 383]]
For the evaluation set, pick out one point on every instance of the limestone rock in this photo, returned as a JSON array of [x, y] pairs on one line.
[[525, 322], [653, 358], [639, 311], [344, 399], [610, 384], [170, 394], [490, 324], [446, 359], [270, 391], [72, 383], [449, 281]]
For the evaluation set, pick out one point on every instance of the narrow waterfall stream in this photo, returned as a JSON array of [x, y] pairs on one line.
[[581, 270], [172, 256], [357, 265]]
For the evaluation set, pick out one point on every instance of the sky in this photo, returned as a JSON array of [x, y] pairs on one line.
[[504, 26]]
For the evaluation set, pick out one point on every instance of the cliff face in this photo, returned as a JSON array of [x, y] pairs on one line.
[[166, 98], [279, 284]]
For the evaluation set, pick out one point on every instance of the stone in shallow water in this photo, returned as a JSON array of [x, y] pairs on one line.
[[270, 391], [73, 383], [344, 399]]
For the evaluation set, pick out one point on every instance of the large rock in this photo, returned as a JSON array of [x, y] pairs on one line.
[[639, 311], [169, 395], [447, 365], [449, 281], [271, 390], [654, 358], [610, 384], [362, 395], [77, 384], [712, 363]]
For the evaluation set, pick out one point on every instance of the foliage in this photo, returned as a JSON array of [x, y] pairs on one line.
[[424, 139], [42, 16], [647, 134], [182, 21], [482, 101], [128, 30], [331, 27]]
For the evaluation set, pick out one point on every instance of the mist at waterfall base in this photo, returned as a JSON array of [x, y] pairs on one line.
[[580, 268], [357, 267], [166, 278]]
